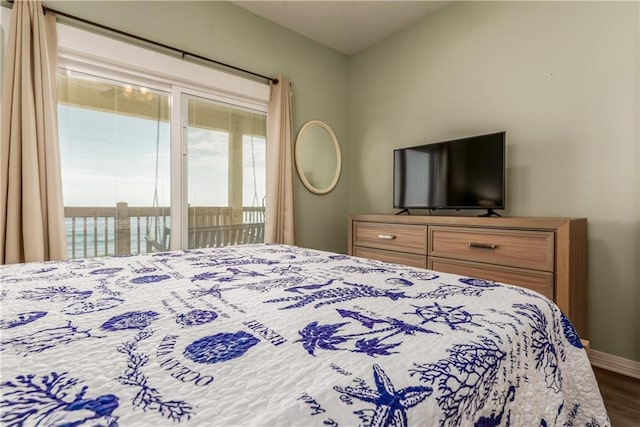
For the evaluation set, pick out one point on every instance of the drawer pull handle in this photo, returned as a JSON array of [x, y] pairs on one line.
[[386, 236], [483, 245]]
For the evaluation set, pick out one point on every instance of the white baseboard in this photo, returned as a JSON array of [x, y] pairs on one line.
[[613, 363]]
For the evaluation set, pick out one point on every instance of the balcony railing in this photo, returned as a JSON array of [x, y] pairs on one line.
[[124, 229]]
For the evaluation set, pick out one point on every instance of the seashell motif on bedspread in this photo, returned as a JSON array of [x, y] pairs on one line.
[[266, 334]]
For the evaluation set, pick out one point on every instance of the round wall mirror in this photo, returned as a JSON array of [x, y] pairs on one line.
[[318, 157]]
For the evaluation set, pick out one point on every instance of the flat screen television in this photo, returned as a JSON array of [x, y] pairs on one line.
[[466, 173]]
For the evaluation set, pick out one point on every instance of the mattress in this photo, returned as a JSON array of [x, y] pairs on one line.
[[276, 335]]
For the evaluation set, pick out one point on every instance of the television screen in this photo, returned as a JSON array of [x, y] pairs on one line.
[[467, 173]]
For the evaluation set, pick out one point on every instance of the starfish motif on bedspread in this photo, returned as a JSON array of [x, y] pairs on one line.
[[391, 404]]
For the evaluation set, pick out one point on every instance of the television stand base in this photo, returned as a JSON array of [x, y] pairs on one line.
[[489, 213], [403, 211]]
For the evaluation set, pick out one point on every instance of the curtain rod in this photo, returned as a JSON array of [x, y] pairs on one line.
[[183, 53]]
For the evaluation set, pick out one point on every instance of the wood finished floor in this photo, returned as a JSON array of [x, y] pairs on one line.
[[621, 396]]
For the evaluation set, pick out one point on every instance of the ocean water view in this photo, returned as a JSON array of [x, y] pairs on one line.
[[95, 237], [95, 232]]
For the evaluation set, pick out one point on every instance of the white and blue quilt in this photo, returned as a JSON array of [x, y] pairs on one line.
[[274, 335]]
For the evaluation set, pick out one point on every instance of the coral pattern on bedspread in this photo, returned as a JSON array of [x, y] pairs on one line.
[[275, 335]]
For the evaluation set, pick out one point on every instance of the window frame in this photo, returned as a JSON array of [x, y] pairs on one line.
[[81, 48], [91, 53], [83, 51]]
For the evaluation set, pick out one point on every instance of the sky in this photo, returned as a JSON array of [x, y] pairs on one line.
[[108, 158]]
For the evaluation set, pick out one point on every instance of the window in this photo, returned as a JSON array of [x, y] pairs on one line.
[[226, 158], [114, 146], [155, 161]]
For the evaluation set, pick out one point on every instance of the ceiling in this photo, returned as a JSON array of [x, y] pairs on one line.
[[346, 26]]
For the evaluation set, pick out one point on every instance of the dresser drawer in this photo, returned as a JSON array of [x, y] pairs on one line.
[[395, 237], [538, 281], [411, 260], [515, 248]]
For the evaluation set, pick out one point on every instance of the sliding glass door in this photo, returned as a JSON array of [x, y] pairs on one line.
[[224, 173], [115, 145], [149, 167]]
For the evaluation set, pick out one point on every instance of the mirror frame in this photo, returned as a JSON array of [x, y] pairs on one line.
[[297, 156]]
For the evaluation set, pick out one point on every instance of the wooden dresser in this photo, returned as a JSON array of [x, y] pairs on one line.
[[548, 255]]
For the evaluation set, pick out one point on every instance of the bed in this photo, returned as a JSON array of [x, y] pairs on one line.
[[276, 335]]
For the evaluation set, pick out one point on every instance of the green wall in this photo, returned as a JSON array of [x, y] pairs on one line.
[[228, 33], [562, 79]]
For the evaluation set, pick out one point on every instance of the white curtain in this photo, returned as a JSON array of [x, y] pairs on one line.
[[32, 211], [279, 223]]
